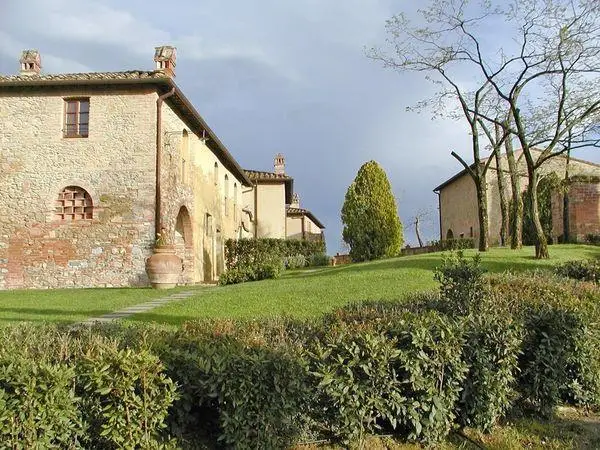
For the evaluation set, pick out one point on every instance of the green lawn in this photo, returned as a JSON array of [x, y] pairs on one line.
[[313, 292], [302, 293], [69, 305]]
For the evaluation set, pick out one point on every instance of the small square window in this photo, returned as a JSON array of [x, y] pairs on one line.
[[77, 117]]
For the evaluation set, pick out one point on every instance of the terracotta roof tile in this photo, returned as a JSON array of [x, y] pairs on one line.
[[304, 212], [257, 175], [125, 75]]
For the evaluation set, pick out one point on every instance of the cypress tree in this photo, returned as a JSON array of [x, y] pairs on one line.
[[372, 227]]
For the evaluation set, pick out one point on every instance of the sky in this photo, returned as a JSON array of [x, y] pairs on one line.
[[268, 76]]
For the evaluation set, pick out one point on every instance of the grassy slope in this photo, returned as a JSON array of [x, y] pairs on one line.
[[310, 293], [299, 293], [69, 305]]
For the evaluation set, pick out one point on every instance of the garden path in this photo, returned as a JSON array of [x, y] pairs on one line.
[[142, 307]]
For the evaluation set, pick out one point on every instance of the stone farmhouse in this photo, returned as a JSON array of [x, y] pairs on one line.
[[95, 166], [273, 208], [458, 200]]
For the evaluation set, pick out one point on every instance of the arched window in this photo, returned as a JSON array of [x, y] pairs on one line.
[[73, 203], [216, 174], [449, 234], [226, 191], [235, 203]]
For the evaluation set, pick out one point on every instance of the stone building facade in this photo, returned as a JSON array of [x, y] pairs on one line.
[[458, 198], [93, 165]]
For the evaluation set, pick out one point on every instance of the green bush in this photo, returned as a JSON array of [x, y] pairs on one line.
[[38, 406], [462, 287], [260, 271], [491, 352], [357, 388], [580, 270], [240, 395], [560, 355], [250, 252], [319, 260], [593, 239], [295, 262], [431, 372], [125, 396]]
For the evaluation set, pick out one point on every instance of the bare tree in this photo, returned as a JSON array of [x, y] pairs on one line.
[[422, 216], [547, 77]]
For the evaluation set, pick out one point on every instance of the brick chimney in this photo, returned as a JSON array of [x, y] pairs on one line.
[[279, 164], [31, 63], [166, 59], [295, 201]]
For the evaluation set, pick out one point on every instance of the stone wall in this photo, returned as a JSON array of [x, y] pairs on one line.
[[196, 180], [115, 165]]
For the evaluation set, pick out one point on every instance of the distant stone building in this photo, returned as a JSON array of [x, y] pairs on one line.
[[94, 164], [272, 209], [458, 200]]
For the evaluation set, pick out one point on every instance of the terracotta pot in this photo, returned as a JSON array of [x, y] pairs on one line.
[[164, 268]]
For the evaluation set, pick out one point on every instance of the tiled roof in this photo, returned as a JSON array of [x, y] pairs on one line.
[[304, 212], [126, 75], [257, 175]]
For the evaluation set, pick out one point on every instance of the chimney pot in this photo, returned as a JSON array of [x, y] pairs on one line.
[[295, 201], [31, 63], [279, 164], [165, 58]]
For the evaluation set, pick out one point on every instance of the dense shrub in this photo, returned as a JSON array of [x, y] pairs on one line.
[[560, 356], [295, 262], [580, 270], [431, 371], [125, 396], [241, 395], [250, 252], [259, 271], [414, 368], [319, 260], [491, 352], [593, 239], [353, 372], [38, 406], [462, 287]]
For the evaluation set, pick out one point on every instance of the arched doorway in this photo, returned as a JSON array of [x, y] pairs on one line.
[[449, 234], [184, 243]]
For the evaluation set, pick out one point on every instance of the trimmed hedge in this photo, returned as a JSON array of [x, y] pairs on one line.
[[250, 252]]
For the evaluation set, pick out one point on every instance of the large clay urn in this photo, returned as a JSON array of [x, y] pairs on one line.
[[164, 267]]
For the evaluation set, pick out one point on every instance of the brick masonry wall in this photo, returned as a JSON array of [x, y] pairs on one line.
[[115, 165], [584, 211]]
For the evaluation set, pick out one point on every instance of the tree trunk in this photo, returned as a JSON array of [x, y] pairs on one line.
[[541, 244], [566, 224], [502, 193], [480, 186], [516, 211], [417, 231]]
